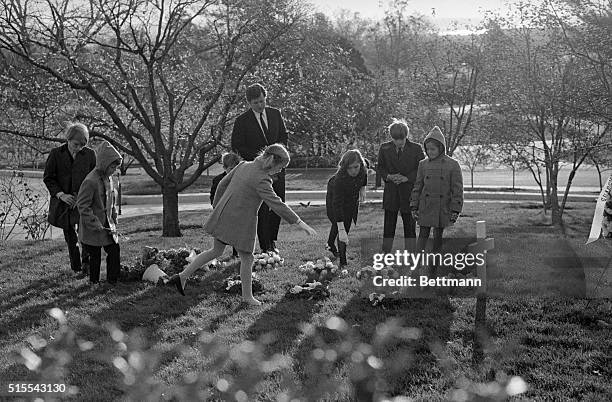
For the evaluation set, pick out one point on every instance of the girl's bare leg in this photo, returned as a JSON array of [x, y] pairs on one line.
[[246, 265], [201, 260]]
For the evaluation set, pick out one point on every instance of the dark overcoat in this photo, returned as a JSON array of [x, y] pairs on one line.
[[62, 173], [342, 199], [396, 197]]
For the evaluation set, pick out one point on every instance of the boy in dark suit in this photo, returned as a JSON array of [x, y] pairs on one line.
[[229, 161], [398, 162], [253, 130]]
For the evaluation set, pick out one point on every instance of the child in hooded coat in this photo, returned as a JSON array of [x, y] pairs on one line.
[[437, 196], [97, 204]]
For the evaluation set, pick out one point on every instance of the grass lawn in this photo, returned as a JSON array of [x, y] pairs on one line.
[[553, 341]]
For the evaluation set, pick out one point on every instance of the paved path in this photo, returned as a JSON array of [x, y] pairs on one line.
[[319, 195], [148, 209]]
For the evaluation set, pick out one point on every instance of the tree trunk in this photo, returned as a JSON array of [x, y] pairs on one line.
[[555, 209], [513, 178], [170, 223], [472, 175], [570, 179], [599, 175], [548, 186]]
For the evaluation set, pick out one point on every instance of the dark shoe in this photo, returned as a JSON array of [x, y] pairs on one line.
[[176, 281]]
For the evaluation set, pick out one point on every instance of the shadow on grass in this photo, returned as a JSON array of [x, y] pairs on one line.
[[283, 322], [130, 305], [409, 364]]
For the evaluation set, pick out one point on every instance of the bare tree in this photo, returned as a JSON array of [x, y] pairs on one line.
[[546, 97], [452, 80], [158, 79], [472, 156]]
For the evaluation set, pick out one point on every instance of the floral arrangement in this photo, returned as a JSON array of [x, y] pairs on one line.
[[384, 300], [314, 290], [268, 260], [369, 272], [320, 271], [375, 298], [318, 276], [232, 284], [170, 261]]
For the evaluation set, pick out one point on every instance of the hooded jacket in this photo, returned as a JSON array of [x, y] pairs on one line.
[[438, 189], [97, 200]]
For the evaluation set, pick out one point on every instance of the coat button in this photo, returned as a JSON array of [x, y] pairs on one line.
[[441, 177], [440, 195], [426, 195]]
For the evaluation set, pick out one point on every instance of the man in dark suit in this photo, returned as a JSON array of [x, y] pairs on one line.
[[66, 168], [255, 129], [398, 162]]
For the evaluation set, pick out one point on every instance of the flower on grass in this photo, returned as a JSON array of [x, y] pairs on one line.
[[267, 260], [365, 272], [296, 289], [376, 298]]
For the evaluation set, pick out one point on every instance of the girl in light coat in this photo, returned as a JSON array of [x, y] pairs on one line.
[[234, 217]]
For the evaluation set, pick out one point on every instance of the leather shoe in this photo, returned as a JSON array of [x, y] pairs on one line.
[[176, 281]]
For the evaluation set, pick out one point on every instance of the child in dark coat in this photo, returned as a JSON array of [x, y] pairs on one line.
[[229, 161], [345, 190]]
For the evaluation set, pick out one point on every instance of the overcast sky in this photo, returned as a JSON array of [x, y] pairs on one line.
[[445, 10]]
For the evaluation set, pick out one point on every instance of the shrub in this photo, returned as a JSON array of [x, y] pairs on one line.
[[241, 368], [22, 205]]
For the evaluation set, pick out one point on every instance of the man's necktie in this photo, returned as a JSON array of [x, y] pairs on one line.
[[263, 125], [399, 153]]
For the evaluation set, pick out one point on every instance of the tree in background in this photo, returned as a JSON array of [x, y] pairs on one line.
[[475, 151], [543, 96], [157, 80], [452, 81]]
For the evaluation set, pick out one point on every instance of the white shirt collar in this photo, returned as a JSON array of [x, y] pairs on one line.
[[265, 116]]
